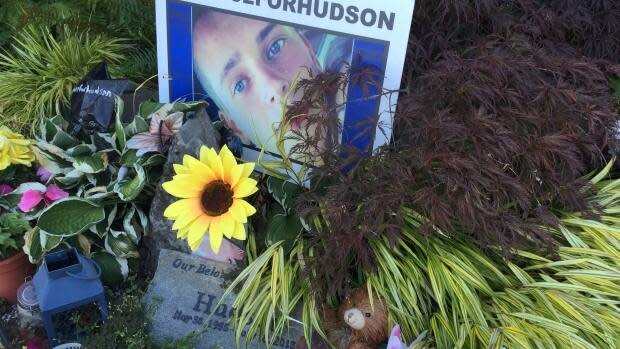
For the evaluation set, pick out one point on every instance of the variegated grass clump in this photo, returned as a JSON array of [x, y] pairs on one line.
[[466, 299], [273, 295], [463, 296]]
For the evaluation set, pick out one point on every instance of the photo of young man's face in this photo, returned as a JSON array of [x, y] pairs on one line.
[[247, 66]]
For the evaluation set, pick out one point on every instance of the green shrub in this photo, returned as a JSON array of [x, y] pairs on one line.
[[38, 75]]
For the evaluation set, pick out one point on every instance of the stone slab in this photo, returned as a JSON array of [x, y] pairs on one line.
[[183, 297]]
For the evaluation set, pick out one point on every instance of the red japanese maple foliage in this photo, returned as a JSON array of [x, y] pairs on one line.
[[506, 106]]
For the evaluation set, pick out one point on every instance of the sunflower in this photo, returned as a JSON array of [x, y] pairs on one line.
[[212, 191], [14, 149]]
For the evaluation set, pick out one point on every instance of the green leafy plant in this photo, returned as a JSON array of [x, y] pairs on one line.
[[12, 229], [110, 186], [38, 74]]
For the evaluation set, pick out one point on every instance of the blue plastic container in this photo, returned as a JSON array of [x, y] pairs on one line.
[[64, 281]]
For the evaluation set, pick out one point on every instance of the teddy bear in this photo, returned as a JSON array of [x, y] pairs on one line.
[[355, 324]]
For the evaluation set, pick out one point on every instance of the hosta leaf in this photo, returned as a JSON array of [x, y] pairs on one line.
[[105, 138], [120, 245], [132, 225], [58, 121], [100, 229], [47, 129], [111, 215], [138, 125], [32, 245], [81, 150], [129, 188], [152, 160], [49, 163], [70, 217], [129, 157], [147, 108], [283, 227], [63, 140], [49, 242], [24, 187], [97, 194], [144, 221], [94, 163], [53, 150], [71, 179], [283, 192], [114, 270]]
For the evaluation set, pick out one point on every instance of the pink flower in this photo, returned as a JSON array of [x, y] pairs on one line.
[[44, 174], [5, 189], [32, 198], [162, 128]]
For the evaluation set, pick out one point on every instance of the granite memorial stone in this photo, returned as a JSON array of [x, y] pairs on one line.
[[184, 297], [196, 132]]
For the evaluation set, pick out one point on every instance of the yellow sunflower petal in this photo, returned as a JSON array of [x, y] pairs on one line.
[[239, 172], [227, 224], [199, 168], [247, 169], [234, 175], [194, 178], [237, 211], [182, 233], [197, 231], [216, 241], [183, 206], [194, 245], [245, 187], [216, 225], [185, 220], [239, 233], [182, 187], [249, 209], [209, 156], [180, 169], [228, 160], [205, 153]]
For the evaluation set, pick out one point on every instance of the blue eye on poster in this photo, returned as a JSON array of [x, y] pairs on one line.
[[243, 56]]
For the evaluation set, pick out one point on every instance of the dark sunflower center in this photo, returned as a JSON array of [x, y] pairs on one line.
[[217, 198]]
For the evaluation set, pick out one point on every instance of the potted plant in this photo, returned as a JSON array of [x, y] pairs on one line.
[[16, 158], [14, 264]]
